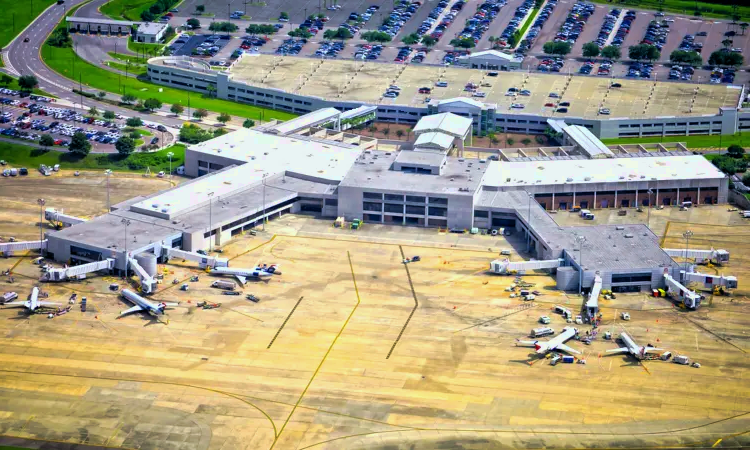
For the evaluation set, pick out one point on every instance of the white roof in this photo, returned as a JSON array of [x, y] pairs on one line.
[[541, 173], [308, 120], [588, 143], [468, 101], [434, 140], [492, 54], [99, 21], [151, 27], [447, 123], [260, 155]]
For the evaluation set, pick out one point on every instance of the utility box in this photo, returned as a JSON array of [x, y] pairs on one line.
[[568, 359]]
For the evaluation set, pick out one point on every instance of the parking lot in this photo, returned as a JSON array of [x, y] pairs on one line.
[[199, 44]]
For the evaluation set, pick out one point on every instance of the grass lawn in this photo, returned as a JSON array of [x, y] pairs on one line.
[[714, 8], [26, 156], [144, 49], [17, 15], [68, 64], [529, 21], [135, 70], [14, 85], [133, 59], [125, 9], [692, 142]]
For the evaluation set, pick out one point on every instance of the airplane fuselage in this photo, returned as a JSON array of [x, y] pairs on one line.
[[567, 334], [142, 302]]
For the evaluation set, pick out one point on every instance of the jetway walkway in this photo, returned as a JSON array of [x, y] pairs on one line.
[[709, 281], [718, 256], [505, 266], [592, 304], [7, 248], [202, 260], [689, 298], [66, 273], [148, 283], [55, 217]]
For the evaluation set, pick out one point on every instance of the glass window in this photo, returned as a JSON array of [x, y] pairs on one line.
[[393, 208], [438, 201], [372, 206], [332, 202], [434, 211], [373, 195], [482, 214], [394, 197]]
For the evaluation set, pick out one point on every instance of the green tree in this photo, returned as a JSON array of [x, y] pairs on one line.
[[644, 51], [725, 58], [726, 43], [557, 48], [526, 141], [93, 112], [125, 145], [744, 26], [152, 104], [134, 135], [200, 9], [735, 151], [462, 43], [128, 98], [248, 123], [200, 113], [101, 94], [109, 115], [176, 109], [134, 122], [376, 36], [79, 145], [683, 57], [60, 38], [411, 39], [300, 33], [193, 23], [591, 50], [514, 39], [148, 16], [611, 52], [211, 89], [193, 134], [400, 133], [746, 179], [284, 15], [428, 41], [386, 132], [491, 137], [227, 27], [255, 28], [5, 79], [28, 82], [46, 141], [224, 118]]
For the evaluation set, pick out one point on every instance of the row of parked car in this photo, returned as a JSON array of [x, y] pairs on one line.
[[313, 24], [403, 11], [329, 49], [719, 75], [521, 11], [403, 54], [34, 97], [536, 28], [688, 44], [608, 24], [656, 34], [639, 69], [549, 64], [624, 28], [572, 28], [291, 46], [681, 73], [480, 22], [368, 51]]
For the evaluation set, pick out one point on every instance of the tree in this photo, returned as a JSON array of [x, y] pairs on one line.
[[725, 58], [514, 39], [125, 145], [200, 9], [411, 39], [526, 141], [152, 104], [101, 94], [735, 151], [226, 27], [284, 16], [200, 113], [557, 48], [60, 38], [93, 112], [376, 36], [644, 51], [224, 118], [134, 122], [128, 98], [28, 82], [386, 132], [340, 33], [135, 135], [193, 23], [400, 133], [591, 50], [148, 16], [248, 123], [726, 43], [211, 89], [490, 138], [5, 79], [255, 28], [744, 26], [462, 42], [493, 139], [79, 145], [193, 134], [372, 129], [300, 33], [46, 141], [611, 52], [177, 109], [428, 41], [683, 57], [109, 115]]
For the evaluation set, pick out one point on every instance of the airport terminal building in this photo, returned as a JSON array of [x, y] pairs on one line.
[[301, 85], [249, 175]]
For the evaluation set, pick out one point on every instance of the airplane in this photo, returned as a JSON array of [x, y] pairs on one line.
[[638, 352], [141, 304], [259, 273], [33, 303], [556, 343]]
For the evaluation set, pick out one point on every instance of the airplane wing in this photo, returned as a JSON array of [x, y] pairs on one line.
[[567, 349], [616, 351], [48, 304], [653, 350], [242, 279], [520, 343], [14, 303], [171, 305], [135, 308]]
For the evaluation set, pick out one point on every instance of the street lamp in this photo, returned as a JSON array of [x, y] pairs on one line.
[[210, 219], [170, 155], [687, 235], [41, 202], [649, 208], [108, 172], [580, 240], [126, 222]]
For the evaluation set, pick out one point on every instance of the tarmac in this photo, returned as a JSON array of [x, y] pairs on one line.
[[351, 348]]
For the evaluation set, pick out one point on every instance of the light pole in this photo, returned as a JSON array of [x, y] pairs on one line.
[[170, 155], [580, 239], [108, 172], [649, 208], [687, 235], [126, 222], [210, 219], [41, 202]]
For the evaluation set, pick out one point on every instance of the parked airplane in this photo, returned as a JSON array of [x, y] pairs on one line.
[[259, 273], [556, 343], [141, 304], [638, 352], [33, 303]]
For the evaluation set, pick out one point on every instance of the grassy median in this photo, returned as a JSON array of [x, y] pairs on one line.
[[692, 142], [18, 15], [19, 155], [125, 9], [714, 8]]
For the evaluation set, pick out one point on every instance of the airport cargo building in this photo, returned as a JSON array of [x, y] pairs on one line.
[[301, 166]]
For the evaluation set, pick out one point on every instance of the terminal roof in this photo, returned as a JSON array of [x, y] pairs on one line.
[[312, 119], [589, 144], [448, 123], [434, 140]]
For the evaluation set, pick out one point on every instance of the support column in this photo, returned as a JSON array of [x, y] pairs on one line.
[[617, 205], [594, 199], [636, 198], [679, 202], [574, 198], [553, 201], [657, 197], [698, 200]]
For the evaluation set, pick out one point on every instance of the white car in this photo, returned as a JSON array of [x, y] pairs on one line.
[[604, 111], [625, 316], [480, 94], [545, 320], [579, 320], [517, 106]]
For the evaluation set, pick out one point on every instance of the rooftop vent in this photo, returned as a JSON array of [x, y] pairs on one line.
[[568, 180], [619, 228], [629, 236], [587, 178], [482, 161]]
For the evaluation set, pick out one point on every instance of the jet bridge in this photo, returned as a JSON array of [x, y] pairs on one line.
[[718, 256], [709, 281], [7, 248], [77, 272], [592, 304], [505, 266], [59, 220], [148, 283], [689, 298], [203, 260]]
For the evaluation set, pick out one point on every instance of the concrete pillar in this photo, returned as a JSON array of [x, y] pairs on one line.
[[678, 197], [636, 199], [553, 201], [617, 205], [698, 200], [657, 196], [574, 198], [594, 199]]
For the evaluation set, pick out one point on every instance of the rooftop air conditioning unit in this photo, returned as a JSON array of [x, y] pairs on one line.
[[568, 180], [482, 161], [619, 228], [629, 236]]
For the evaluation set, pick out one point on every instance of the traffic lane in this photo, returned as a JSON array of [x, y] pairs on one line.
[[416, 20], [497, 26], [552, 25], [637, 31], [91, 10], [678, 30], [457, 26], [591, 29]]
